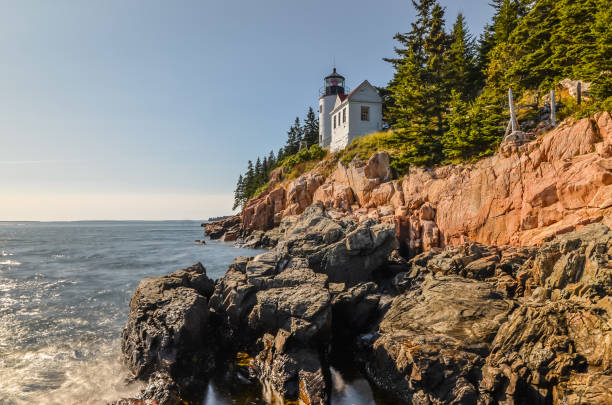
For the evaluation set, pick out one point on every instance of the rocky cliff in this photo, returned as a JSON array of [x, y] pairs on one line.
[[484, 284], [469, 324], [524, 195]]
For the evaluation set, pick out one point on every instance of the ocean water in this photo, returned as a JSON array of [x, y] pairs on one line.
[[64, 299]]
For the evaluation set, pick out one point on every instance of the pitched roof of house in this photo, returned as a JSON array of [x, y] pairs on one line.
[[345, 98]]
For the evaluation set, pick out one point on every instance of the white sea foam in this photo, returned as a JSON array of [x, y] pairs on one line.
[[9, 263], [63, 379]]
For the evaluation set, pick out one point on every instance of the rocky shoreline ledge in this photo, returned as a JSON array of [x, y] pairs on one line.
[[486, 283], [470, 324]]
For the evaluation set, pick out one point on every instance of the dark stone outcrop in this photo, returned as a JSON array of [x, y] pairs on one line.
[[471, 324], [288, 306], [458, 334], [168, 329], [433, 340], [344, 250], [228, 229], [290, 371]]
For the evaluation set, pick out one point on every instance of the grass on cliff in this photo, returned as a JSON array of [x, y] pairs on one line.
[[297, 164], [390, 141]]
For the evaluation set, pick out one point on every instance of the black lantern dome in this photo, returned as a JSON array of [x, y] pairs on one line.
[[334, 84]]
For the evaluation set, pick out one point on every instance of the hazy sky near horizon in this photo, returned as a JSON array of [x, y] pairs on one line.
[[149, 109]]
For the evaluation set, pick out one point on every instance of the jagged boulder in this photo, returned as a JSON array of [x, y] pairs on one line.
[[344, 250], [286, 307], [167, 328], [231, 226], [433, 340], [356, 309], [551, 350], [291, 373], [576, 263]]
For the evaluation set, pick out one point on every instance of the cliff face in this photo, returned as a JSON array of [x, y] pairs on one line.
[[523, 195], [474, 323]]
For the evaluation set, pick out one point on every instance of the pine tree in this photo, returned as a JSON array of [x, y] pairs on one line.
[[249, 181], [311, 128], [294, 137], [486, 43], [416, 123], [598, 65], [258, 173], [410, 47], [456, 144], [271, 160], [265, 169], [582, 43], [418, 89], [435, 46], [528, 49], [501, 53], [239, 193], [280, 155], [461, 68], [475, 129]]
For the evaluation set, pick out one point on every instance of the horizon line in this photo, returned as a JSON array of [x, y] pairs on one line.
[[106, 220]]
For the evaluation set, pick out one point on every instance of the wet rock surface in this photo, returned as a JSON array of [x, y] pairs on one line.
[[470, 324], [168, 334]]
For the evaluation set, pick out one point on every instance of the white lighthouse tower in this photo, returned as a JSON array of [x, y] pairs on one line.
[[334, 86]]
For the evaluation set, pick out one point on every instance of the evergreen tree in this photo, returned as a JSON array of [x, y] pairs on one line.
[[311, 128], [526, 51], [249, 180], [461, 68], [387, 103], [265, 170], [475, 129], [582, 43], [598, 65], [239, 193], [411, 48], [494, 53], [294, 137], [258, 173], [415, 120], [418, 89], [280, 155], [486, 42], [271, 160], [435, 46]]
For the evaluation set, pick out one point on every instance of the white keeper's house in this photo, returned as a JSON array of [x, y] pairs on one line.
[[344, 117]]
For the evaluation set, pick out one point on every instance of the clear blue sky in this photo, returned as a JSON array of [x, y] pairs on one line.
[[148, 109]]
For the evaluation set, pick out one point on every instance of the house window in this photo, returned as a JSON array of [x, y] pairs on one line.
[[365, 113], [334, 122], [344, 115], [320, 108]]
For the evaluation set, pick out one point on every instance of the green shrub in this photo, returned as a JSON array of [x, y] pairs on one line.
[[302, 161], [260, 190], [393, 142]]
